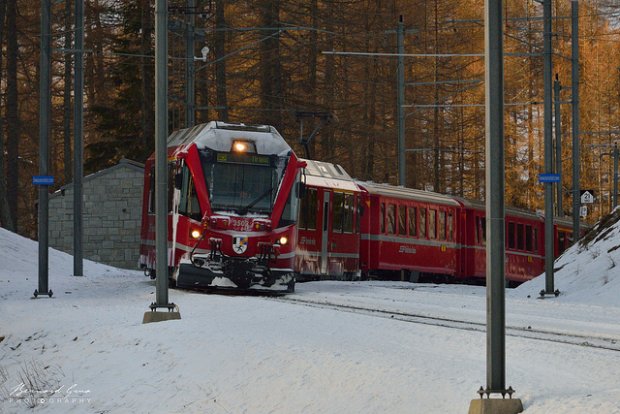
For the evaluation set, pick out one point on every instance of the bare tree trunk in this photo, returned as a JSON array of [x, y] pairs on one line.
[[271, 70], [97, 45], [436, 149], [369, 107], [5, 215], [530, 125], [220, 64], [12, 116], [68, 162], [311, 85], [327, 135], [148, 76]]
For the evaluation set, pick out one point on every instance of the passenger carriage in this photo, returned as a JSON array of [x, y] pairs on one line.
[[328, 227]]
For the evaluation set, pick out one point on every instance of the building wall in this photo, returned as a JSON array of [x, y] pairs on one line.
[[111, 216]]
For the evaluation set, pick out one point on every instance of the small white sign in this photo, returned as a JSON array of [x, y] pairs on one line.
[[583, 211], [587, 198]]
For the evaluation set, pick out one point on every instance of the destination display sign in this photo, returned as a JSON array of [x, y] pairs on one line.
[[235, 158]]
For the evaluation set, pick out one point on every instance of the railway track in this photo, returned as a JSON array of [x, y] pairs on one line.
[[596, 342]]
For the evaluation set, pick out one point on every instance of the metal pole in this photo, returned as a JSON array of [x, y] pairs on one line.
[[615, 195], [558, 143], [44, 130], [190, 109], [402, 180], [161, 135], [78, 153], [575, 115], [495, 182], [547, 67]]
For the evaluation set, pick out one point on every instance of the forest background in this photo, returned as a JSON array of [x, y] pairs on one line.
[[266, 65]]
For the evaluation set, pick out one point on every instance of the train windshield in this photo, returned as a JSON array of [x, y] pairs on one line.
[[241, 187]]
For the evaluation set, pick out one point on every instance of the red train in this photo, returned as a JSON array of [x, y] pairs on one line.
[[232, 208], [245, 212]]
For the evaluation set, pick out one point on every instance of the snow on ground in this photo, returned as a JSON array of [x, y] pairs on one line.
[[252, 354]]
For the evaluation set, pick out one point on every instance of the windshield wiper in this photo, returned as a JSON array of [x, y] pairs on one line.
[[243, 211]]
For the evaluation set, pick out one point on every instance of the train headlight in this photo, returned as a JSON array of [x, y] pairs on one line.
[[244, 146], [240, 146], [196, 234], [283, 240]]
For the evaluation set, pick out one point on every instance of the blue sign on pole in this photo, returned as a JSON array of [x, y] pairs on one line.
[[42, 179], [548, 178]]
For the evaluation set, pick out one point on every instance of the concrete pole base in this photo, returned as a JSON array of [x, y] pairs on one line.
[[151, 316], [495, 406]]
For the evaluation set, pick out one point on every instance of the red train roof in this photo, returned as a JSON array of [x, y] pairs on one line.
[[404, 193], [327, 175], [219, 136]]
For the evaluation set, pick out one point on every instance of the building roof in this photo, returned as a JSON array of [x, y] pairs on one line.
[[124, 163]]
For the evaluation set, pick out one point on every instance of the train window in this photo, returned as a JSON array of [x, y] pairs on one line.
[[528, 238], [402, 220], [561, 241], [152, 191], [189, 199], [481, 230], [307, 215], [422, 222], [291, 210], [171, 174], [432, 224], [172, 170], [337, 217], [535, 240], [382, 218], [441, 225], [450, 227], [391, 219], [511, 235], [412, 216], [348, 214], [520, 238]]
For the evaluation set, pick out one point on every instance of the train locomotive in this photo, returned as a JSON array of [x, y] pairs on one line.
[[246, 213], [233, 202]]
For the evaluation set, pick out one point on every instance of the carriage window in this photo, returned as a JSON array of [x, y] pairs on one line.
[[348, 213], [562, 241], [307, 216], [450, 227], [172, 170], [520, 238], [391, 218], [481, 230], [412, 215], [422, 222], [441, 224], [535, 240], [528, 238], [402, 217], [189, 199], [152, 191], [432, 224], [337, 218], [511, 235], [382, 218]]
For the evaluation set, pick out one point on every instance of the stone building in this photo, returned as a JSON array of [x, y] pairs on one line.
[[111, 215]]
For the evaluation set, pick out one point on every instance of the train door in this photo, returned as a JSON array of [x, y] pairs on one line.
[[325, 219]]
